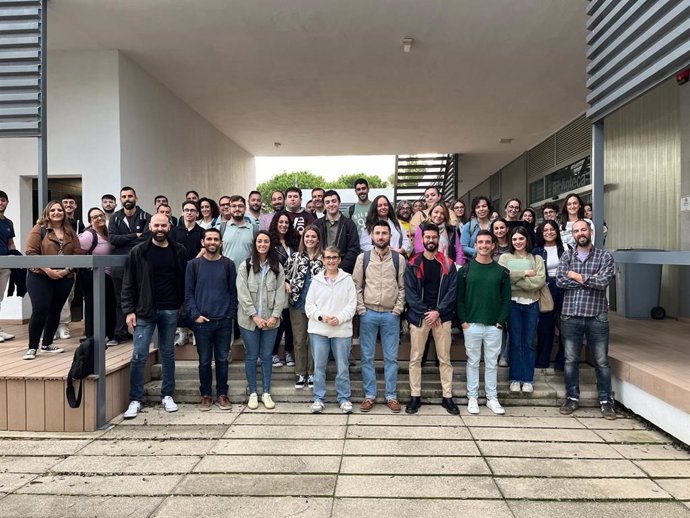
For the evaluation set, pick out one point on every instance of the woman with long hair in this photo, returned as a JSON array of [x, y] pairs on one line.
[[479, 220], [417, 206], [261, 298], [382, 209], [572, 210], [460, 211], [499, 229], [448, 236], [330, 306], [550, 248], [301, 268], [210, 213], [527, 276], [285, 240], [49, 287]]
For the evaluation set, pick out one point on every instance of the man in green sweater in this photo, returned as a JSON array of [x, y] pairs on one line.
[[483, 306]]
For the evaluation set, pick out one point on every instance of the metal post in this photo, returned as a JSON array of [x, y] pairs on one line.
[[43, 137], [598, 181], [99, 341]]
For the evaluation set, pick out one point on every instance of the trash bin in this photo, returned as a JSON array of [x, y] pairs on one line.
[[638, 287]]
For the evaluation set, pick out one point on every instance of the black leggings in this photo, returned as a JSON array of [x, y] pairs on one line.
[[47, 298], [86, 278]]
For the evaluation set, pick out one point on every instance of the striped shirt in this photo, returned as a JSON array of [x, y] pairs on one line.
[[589, 298]]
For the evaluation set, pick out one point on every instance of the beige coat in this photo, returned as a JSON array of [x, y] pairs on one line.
[[380, 290]]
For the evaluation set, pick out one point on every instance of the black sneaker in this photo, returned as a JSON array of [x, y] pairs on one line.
[[569, 406], [607, 410], [301, 382]]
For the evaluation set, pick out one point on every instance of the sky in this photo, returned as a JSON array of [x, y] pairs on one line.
[[330, 167]]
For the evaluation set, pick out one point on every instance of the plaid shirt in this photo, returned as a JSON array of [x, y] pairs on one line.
[[589, 298]]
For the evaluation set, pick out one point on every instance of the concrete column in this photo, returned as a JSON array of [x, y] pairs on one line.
[[684, 119]]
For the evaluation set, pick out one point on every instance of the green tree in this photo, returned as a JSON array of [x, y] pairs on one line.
[[302, 179], [347, 181]]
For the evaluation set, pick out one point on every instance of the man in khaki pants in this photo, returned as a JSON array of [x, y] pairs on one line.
[[430, 291]]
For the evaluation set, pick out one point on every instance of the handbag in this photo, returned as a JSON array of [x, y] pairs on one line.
[[545, 299]]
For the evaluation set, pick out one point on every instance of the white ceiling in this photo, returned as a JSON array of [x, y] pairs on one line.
[[328, 77]]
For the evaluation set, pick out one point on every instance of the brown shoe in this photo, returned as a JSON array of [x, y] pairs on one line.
[[394, 405], [223, 402], [367, 405], [206, 403]]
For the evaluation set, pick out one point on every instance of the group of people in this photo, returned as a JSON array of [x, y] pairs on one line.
[[308, 280]]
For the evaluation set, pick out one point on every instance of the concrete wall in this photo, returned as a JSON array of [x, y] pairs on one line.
[[684, 220]]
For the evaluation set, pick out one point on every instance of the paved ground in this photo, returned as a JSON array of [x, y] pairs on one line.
[[531, 462]]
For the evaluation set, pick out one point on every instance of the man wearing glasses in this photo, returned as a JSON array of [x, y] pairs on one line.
[[237, 233]]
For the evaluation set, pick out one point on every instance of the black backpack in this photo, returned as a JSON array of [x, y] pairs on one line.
[[82, 367]]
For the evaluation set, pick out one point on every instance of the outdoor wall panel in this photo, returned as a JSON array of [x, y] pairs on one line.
[[514, 181]]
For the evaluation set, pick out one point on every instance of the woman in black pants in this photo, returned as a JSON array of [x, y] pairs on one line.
[[49, 287]]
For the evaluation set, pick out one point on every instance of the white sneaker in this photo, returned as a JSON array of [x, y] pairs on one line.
[[1, 339], [472, 405], [527, 387], [493, 405], [514, 386], [63, 333], [133, 410], [169, 404], [6, 336], [317, 407], [253, 402], [276, 361], [346, 407], [502, 362], [29, 355], [267, 401]]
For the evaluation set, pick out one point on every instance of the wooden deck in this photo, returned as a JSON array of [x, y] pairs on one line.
[[32, 393]]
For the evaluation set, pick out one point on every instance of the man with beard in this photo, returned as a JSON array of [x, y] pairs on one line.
[[128, 227], [430, 289], [358, 212], [152, 295], [277, 204], [211, 302], [317, 194], [299, 217], [585, 273], [237, 233], [254, 213], [108, 204], [161, 200]]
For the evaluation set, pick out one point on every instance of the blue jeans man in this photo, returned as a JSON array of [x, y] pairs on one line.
[[213, 341], [388, 324]]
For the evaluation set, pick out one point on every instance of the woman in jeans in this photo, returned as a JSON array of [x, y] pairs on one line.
[[285, 240], [550, 248], [300, 269], [261, 297], [49, 287], [330, 306], [527, 276]]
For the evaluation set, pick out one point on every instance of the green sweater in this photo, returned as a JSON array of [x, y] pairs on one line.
[[485, 297]]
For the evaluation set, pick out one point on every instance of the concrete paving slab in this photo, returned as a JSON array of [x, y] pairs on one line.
[[651, 451], [286, 408], [535, 434], [414, 508], [20, 464], [292, 419], [186, 415], [426, 409], [126, 465], [520, 422], [456, 487], [41, 447], [665, 468], [10, 482], [284, 432], [54, 506], [277, 447], [421, 448], [409, 432], [257, 485], [388, 419], [513, 467], [119, 447], [250, 507], [414, 466], [518, 411], [101, 485], [580, 489], [633, 436], [268, 464], [523, 509], [606, 424], [678, 487], [24, 434], [547, 450], [167, 432]]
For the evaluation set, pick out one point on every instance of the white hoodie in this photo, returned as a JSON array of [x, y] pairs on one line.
[[338, 300]]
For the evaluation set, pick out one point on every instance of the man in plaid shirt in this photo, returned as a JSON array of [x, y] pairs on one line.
[[584, 273]]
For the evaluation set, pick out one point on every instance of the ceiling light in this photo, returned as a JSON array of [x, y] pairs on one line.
[[407, 45], [506, 141]]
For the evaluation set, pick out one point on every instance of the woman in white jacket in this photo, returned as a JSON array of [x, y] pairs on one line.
[[330, 306]]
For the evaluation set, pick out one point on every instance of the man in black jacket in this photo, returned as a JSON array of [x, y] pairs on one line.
[[128, 227], [339, 231], [152, 295]]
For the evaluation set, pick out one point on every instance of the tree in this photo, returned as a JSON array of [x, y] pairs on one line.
[[302, 179], [347, 181]]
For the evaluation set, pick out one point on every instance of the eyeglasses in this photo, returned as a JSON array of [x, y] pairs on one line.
[[189, 210], [98, 216], [332, 257], [223, 204]]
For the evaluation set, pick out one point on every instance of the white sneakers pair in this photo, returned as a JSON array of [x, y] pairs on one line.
[[526, 387], [266, 399], [492, 404], [62, 333], [317, 407], [135, 406]]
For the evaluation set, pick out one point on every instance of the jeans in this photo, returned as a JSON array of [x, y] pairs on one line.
[[213, 341], [388, 325], [475, 336], [523, 326], [596, 329], [442, 340], [47, 298], [321, 346], [258, 343], [546, 331], [166, 321]]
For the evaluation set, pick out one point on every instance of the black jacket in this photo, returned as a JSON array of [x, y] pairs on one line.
[[346, 239], [541, 252], [137, 284], [17, 284], [414, 289], [121, 236], [190, 239]]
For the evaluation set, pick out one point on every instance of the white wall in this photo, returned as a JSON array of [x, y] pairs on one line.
[[169, 148]]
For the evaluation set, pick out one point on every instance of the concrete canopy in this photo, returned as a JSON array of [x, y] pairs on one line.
[[329, 77]]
